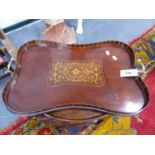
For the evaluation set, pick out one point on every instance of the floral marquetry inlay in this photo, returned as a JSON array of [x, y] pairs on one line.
[[77, 72]]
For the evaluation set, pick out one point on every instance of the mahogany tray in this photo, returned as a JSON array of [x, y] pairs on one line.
[[74, 82]]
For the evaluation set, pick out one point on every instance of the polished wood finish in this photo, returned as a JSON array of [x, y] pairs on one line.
[[31, 92], [58, 31]]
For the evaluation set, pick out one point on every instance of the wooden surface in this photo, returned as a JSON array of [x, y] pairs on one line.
[[94, 30], [58, 31], [31, 92]]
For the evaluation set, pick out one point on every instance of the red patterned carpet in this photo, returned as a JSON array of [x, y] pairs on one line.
[[146, 123]]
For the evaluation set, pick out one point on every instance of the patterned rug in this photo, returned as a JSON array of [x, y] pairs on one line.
[[144, 48]]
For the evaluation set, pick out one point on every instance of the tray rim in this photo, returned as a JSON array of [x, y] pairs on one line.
[[21, 51]]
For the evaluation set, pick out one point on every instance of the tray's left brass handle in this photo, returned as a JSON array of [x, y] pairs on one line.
[[9, 70]]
